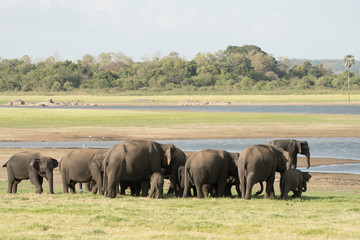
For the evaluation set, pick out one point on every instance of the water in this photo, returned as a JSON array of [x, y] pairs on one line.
[[338, 147], [336, 168], [347, 148], [321, 109]]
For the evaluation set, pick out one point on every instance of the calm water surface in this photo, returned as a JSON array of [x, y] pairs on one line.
[[326, 109]]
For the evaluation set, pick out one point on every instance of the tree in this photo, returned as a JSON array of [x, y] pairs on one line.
[[349, 61]]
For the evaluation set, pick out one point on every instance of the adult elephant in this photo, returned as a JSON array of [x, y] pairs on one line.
[[33, 166], [136, 160], [259, 163], [293, 147], [211, 167], [81, 166]]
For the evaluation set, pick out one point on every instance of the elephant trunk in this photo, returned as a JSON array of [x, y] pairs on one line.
[[50, 178], [308, 159], [305, 187]]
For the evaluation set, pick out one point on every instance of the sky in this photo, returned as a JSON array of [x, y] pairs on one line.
[[142, 29]]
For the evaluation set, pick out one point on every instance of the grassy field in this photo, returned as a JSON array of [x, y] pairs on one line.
[[175, 99], [43, 118], [318, 215]]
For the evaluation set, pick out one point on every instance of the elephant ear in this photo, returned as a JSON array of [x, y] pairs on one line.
[[55, 162], [35, 164], [303, 147], [283, 157], [168, 155], [307, 176]]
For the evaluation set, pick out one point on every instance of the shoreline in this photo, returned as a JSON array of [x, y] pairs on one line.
[[197, 103]]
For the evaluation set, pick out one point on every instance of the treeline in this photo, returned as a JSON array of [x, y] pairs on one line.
[[235, 68]]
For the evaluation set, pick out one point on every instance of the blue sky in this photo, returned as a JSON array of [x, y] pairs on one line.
[[311, 29]]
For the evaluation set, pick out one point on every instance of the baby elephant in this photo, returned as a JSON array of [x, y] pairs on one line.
[[156, 185], [293, 180]]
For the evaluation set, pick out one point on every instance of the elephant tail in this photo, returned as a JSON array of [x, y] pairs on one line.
[[188, 177], [5, 165]]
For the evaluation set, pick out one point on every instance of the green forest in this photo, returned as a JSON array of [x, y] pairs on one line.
[[235, 68]]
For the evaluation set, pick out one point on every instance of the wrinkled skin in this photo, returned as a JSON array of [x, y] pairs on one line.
[[81, 166], [259, 163], [211, 167], [156, 185], [293, 180], [136, 160], [33, 166], [293, 147]]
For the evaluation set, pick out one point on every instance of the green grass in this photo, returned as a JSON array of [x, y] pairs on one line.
[[43, 118], [317, 215], [174, 99]]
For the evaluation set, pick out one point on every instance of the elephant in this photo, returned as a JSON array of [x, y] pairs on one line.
[[81, 166], [156, 185], [293, 147], [135, 160], [135, 187], [259, 163], [181, 180], [209, 167], [33, 166], [293, 180]]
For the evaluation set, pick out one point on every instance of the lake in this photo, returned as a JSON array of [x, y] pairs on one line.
[[347, 148], [321, 109]]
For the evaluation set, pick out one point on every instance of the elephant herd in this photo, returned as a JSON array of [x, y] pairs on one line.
[[142, 165]]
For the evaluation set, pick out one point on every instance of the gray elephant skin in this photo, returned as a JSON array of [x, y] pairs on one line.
[[81, 166], [293, 147], [33, 166], [136, 160], [259, 163], [293, 180], [156, 185], [209, 167]]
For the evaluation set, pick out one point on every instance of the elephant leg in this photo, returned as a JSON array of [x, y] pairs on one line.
[[199, 191], [242, 184], [145, 186], [11, 183], [94, 189], [221, 188], [98, 184], [36, 180], [14, 188], [300, 192], [206, 189], [285, 193], [269, 190], [186, 191], [65, 188], [249, 185], [72, 187]]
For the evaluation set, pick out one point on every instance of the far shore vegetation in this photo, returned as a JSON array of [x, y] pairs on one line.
[[235, 70]]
